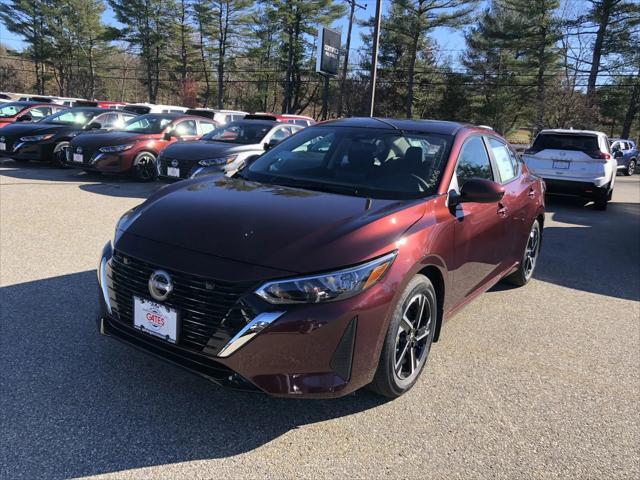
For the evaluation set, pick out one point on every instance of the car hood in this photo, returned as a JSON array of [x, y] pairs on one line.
[[22, 129], [273, 226], [201, 149], [103, 138]]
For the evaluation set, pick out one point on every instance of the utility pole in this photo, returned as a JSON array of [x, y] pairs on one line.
[[352, 12], [374, 57]]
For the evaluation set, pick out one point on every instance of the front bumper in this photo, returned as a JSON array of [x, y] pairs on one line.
[[95, 161], [31, 150], [311, 351]]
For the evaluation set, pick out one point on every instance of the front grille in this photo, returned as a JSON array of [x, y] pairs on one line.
[[209, 310], [184, 167]]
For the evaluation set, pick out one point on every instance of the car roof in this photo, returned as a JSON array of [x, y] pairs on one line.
[[88, 109], [426, 126], [569, 131]]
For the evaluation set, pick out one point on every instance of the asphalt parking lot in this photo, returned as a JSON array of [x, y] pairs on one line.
[[537, 382]]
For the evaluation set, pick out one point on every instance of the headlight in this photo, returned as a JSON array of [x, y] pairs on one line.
[[116, 148], [124, 222], [327, 287], [215, 162], [36, 138]]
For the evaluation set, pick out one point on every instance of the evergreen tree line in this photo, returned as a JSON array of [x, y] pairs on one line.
[[527, 64]]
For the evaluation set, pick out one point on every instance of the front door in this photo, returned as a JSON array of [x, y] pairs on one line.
[[480, 238]]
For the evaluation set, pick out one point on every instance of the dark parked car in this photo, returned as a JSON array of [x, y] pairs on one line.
[[48, 139], [626, 154], [330, 263], [134, 148], [225, 148], [25, 112]]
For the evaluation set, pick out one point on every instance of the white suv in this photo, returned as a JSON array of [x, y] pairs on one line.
[[574, 162]]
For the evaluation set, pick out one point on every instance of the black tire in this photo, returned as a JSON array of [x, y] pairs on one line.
[[59, 154], [145, 168], [407, 342], [529, 258], [631, 168], [602, 198]]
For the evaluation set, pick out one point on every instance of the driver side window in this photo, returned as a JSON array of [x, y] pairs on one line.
[[473, 161]]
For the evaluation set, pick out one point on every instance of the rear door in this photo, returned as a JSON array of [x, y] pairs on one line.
[[576, 156], [481, 228]]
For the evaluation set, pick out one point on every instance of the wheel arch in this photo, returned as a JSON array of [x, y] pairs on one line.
[[434, 274]]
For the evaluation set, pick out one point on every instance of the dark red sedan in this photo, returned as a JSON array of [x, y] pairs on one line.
[[26, 111], [328, 264], [134, 148]]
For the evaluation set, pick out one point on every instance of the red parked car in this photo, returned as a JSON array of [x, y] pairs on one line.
[[329, 263], [301, 120], [135, 148], [26, 111]]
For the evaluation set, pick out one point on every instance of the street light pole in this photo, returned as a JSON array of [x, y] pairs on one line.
[[374, 57]]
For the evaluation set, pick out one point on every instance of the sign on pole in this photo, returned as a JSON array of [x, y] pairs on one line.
[[329, 45]]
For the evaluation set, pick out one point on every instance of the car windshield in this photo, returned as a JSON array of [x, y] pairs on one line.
[[245, 133], [71, 117], [372, 163], [151, 123], [11, 109], [556, 141]]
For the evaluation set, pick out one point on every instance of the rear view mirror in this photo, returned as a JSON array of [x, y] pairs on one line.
[[24, 118], [480, 190]]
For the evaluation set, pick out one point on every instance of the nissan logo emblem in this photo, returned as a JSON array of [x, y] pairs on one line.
[[160, 285], [174, 163]]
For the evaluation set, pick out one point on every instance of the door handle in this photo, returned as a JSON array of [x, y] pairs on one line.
[[502, 210]]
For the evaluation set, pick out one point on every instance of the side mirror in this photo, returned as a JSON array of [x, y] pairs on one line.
[[618, 154], [93, 126], [24, 118], [270, 144], [479, 190], [168, 135]]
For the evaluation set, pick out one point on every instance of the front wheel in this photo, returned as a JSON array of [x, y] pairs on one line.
[[631, 168], [144, 167], [529, 258], [59, 155], [408, 340]]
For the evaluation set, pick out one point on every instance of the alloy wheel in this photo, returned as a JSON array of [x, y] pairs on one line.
[[631, 168], [531, 251], [413, 337], [145, 167]]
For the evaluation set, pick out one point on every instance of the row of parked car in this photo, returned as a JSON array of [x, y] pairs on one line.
[[143, 140]]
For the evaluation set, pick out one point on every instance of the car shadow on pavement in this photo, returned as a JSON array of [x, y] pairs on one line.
[[596, 251], [111, 185], [75, 403]]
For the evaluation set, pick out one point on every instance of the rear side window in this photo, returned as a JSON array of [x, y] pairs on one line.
[[473, 162], [40, 112], [507, 168], [556, 141]]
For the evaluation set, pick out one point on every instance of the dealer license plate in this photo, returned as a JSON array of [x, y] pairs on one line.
[[173, 171], [561, 164], [155, 319], [78, 158]]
